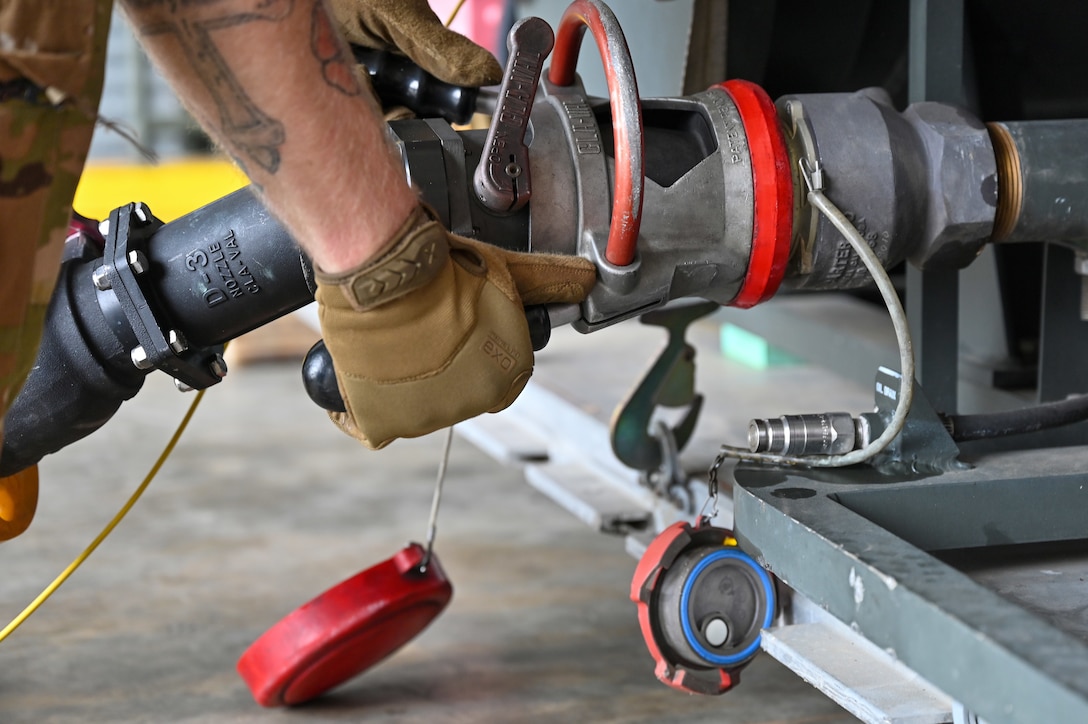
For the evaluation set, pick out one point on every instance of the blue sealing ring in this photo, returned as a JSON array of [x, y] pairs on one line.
[[685, 596]]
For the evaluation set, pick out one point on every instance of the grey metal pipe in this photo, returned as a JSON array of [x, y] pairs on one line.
[[1042, 181]]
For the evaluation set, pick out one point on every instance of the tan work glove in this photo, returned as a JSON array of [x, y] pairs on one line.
[[411, 28], [433, 331]]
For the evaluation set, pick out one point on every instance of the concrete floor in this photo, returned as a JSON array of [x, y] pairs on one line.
[[264, 505]]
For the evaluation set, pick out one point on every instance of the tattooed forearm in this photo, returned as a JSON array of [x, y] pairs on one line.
[[337, 65], [194, 24]]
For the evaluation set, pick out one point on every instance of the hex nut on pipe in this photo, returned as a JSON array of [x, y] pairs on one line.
[[218, 366], [139, 358], [101, 279], [963, 185], [137, 261]]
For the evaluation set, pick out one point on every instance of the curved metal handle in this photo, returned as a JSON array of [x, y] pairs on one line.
[[502, 178], [626, 114]]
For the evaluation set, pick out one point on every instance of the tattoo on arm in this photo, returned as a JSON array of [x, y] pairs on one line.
[[246, 126], [337, 65]]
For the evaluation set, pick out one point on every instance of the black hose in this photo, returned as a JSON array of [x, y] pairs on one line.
[[964, 428], [213, 275]]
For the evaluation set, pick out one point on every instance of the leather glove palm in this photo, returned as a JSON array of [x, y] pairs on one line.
[[411, 28], [433, 330]]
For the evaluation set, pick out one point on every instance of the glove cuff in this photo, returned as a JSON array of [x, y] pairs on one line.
[[411, 259]]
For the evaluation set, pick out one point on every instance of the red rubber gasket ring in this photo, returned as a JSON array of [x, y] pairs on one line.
[[626, 112], [772, 183], [346, 630]]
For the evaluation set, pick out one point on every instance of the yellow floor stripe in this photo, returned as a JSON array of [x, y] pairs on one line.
[[171, 189]]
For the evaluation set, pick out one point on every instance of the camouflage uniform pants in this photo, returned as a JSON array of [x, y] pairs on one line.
[[51, 68]]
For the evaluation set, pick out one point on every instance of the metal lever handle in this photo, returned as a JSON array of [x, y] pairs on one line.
[[502, 178]]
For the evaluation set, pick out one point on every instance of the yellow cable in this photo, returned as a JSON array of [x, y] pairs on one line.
[[52, 587], [453, 15], [74, 565]]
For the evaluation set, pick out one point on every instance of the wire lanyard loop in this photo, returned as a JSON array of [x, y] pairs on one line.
[[432, 525]]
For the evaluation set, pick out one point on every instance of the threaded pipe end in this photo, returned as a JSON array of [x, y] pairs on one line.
[[1010, 182]]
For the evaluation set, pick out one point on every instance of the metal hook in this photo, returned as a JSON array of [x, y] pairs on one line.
[[669, 383]]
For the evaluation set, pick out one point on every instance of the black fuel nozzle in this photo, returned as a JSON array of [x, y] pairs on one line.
[[154, 296], [399, 82]]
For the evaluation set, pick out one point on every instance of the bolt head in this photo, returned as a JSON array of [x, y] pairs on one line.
[[141, 212], [139, 358], [177, 341], [137, 261], [182, 387], [101, 279], [218, 366]]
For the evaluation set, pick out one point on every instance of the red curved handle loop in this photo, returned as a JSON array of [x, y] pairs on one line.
[[626, 114]]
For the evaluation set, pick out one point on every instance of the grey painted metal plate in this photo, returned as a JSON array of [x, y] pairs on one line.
[[999, 658]]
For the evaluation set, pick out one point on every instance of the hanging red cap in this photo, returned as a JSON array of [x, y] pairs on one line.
[[345, 630]]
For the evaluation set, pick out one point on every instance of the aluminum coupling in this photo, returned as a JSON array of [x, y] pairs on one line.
[[826, 433]]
